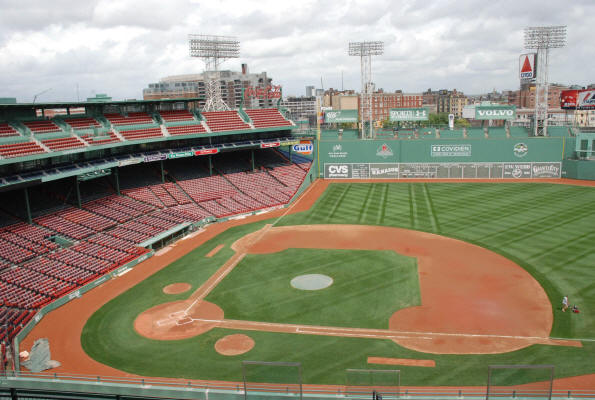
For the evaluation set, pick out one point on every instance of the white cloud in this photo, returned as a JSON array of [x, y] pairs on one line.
[[119, 47]]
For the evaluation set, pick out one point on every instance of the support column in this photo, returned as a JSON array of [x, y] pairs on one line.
[[77, 188], [27, 206], [252, 159], [162, 172], [210, 165], [117, 180], [290, 153]]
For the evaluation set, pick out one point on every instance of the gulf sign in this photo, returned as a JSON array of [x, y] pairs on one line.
[[304, 147], [204, 152], [527, 66]]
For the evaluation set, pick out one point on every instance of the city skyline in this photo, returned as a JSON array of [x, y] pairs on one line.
[[73, 50]]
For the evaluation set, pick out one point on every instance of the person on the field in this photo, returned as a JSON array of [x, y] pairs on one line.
[[575, 309], [564, 303]]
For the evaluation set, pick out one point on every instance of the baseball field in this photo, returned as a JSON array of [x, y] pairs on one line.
[[438, 280]]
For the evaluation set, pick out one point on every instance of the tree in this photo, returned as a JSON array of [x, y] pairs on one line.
[[462, 123], [438, 119]]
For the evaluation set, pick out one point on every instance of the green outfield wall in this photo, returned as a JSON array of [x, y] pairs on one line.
[[443, 158]]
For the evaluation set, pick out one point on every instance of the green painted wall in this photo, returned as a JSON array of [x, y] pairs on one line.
[[424, 151], [578, 169]]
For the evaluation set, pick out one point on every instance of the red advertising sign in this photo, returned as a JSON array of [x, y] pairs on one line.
[[568, 98], [271, 144], [204, 152], [268, 92], [586, 99]]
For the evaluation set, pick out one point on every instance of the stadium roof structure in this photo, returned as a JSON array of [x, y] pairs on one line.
[[78, 104]]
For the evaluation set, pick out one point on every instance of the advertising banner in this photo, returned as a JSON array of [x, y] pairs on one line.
[[409, 114], [204, 152], [337, 171], [180, 154], [384, 171], [340, 116], [527, 66], [155, 157], [517, 171], [586, 99], [269, 145], [568, 99], [468, 170], [131, 161], [546, 170], [450, 150], [304, 147], [495, 112]]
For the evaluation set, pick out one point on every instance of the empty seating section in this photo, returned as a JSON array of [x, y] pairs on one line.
[[133, 118], [143, 133], [107, 209], [60, 144], [20, 149], [86, 218], [64, 227], [121, 232], [176, 115], [83, 261], [251, 183], [215, 208], [145, 195], [34, 270], [6, 130], [186, 129], [188, 212], [16, 296], [59, 270], [83, 123], [164, 196], [176, 193], [35, 281], [291, 176], [42, 126], [105, 253], [26, 244], [114, 243], [105, 138], [13, 253], [208, 188], [34, 233], [224, 121], [267, 118]]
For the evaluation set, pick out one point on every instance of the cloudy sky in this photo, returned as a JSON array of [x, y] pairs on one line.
[[118, 47]]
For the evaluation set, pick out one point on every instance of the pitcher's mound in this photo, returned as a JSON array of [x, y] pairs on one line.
[[233, 345], [177, 288]]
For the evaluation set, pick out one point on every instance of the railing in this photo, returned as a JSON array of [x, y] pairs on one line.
[[173, 387]]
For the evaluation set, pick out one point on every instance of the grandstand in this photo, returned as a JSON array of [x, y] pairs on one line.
[[84, 195]]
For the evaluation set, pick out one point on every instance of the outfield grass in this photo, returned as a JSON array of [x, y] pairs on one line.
[[547, 229], [368, 287]]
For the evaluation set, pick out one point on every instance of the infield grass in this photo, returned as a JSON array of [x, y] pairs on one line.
[[368, 287]]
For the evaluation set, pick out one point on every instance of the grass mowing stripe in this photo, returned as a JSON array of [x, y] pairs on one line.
[[433, 217], [412, 207], [338, 202], [380, 220], [364, 208]]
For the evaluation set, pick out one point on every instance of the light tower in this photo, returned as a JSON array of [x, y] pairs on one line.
[[365, 50], [542, 39], [213, 50]]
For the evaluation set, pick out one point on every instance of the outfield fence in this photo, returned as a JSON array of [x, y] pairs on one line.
[[28, 385]]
